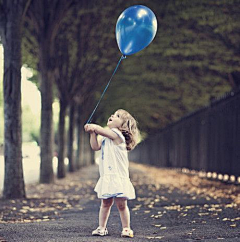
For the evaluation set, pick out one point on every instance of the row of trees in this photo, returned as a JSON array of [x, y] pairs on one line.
[[71, 46], [53, 37]]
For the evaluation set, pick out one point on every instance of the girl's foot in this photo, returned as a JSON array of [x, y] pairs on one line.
[[100, 232], [127, 232]]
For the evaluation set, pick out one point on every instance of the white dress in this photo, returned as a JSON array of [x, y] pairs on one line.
[[113, 167]]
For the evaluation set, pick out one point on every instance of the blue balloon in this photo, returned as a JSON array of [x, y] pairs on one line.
[[135, 29]]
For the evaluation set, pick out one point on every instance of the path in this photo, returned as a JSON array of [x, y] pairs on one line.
[[170, 206]]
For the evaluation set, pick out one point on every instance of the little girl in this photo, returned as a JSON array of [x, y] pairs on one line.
[[114, 183]]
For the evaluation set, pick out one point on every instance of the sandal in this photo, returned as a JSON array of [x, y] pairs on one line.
[[100, 232], [127, 233]]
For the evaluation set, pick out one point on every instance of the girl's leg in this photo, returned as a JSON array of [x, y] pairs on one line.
[[123, 211], [104, 212]]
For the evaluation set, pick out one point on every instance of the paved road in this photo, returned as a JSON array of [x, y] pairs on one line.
[[170, 206]]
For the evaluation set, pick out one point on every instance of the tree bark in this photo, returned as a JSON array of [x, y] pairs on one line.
[[46, 87], [84, 149], [92, 157], [61, 173], [11, 36], [79, 133], [71, 165]]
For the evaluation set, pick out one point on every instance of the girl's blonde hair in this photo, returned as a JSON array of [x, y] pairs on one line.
[[129, 129]]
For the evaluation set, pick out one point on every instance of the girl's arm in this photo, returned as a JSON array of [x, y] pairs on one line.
[[95, 144], [102, 131]]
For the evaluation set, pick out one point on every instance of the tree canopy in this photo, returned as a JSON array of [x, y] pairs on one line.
[[194, 58]]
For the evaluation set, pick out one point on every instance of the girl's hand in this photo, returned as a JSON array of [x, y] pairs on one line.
[[89, 128]]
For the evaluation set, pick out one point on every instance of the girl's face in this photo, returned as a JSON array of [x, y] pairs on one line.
[[115, 120]]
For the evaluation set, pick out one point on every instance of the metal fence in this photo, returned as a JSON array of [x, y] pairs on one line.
[[207, 140]]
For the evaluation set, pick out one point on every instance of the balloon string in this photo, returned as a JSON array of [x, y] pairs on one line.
[[90, 118]]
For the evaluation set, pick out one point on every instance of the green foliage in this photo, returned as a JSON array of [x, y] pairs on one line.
[[82, 56], [34, 78], [29, 47], [30, 125], [188, 63]]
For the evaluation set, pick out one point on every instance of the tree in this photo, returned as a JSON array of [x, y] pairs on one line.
[[11, 16], [194, 57], [1, 103], [44, 19], [79, 58], [72, 112]]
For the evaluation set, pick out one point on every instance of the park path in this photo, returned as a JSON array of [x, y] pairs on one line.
[[170, 206]]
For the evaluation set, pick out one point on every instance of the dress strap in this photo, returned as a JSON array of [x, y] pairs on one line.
[[119, 133]]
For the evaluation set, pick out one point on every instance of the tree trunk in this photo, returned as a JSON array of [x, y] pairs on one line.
[[46, 87], [61, 173], [84, 148], [11, 35], [88, 150], [79, 133], [71, 166], [92, 157]]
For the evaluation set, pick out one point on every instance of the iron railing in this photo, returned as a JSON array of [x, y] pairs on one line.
[[206, 140]]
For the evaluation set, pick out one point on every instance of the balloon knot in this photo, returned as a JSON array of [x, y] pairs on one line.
[[124, 57]]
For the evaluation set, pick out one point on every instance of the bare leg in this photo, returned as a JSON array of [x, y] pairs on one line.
[[123, 211], [104, 212]]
